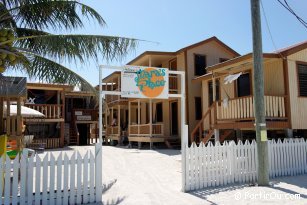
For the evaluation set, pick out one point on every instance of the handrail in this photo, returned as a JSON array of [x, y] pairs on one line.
[[199, 124]]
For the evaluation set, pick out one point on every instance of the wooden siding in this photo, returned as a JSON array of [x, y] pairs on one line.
[[298, 104], [213, 54], [274, 78]]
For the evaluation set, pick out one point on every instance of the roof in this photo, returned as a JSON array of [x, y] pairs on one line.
[[244, 59], [110, 76], [214, 38], [292, 49], [151, 53], [49, 86]]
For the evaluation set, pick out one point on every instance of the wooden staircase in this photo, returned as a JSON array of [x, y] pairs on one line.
[[199, 134], [73, 133], [226, 134]]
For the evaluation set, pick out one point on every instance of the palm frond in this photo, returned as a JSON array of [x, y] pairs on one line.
[[51, 72], [51, 14], [78, 47]]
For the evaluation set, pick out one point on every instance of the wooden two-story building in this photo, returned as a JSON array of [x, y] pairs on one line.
[[166, 113], [227, 96], [69, 115]]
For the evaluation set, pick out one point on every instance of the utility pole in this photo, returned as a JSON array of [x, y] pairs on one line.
[[260, 124]]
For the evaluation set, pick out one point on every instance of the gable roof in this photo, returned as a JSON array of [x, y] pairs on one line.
[[214, 38], [292, 49]]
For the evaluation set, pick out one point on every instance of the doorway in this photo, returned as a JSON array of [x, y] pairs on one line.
[[83, 133], [244, 85], [174, 118]]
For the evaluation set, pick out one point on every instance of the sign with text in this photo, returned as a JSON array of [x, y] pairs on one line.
[[144, 82]]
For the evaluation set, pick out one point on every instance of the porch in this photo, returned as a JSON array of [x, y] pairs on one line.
[[238, 113], [52, 112]]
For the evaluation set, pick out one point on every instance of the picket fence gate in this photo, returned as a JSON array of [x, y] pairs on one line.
[[219, 165], [63, 180]]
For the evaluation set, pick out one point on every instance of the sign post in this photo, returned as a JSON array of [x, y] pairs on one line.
[[151, 83]]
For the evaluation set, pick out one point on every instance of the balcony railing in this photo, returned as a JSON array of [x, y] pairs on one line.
[[173, 82], [144, 130], [243, 108], [51, 111], [113, 130]]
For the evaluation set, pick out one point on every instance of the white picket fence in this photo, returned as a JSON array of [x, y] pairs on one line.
[[219, 165], [65, 179]]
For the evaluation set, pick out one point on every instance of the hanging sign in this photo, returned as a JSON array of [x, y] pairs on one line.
[[144, 82]]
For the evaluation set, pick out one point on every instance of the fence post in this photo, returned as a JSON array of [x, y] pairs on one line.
[[98, 171]]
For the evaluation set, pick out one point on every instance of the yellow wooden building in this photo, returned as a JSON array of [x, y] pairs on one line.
[[228, 109], [164, 122]]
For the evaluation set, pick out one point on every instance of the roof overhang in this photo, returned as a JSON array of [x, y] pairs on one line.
[[233, 65]]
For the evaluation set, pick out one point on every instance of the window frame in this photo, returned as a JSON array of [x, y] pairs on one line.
[[195, 70], [159, 103], [217, 91], [201, 108], [298, 63]]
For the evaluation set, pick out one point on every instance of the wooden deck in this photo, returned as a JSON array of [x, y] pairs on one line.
[[238, 113]]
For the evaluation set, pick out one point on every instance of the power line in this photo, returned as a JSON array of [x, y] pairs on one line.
[[268, 27], [286, 6]]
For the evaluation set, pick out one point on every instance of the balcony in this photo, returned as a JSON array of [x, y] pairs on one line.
[[51, 111], [144, 130], [243, 108]]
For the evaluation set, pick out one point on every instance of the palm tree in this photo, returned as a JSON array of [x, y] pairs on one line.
[[26, 45]]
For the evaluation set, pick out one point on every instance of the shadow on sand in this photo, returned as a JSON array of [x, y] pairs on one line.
[[107, 187], [298, 181]]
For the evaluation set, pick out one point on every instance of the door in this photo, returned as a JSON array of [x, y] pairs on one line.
[[83, 133], [244, 85], [174, 118]]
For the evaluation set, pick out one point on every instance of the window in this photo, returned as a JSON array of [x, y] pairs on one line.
[[173, 64], [244, 85], [200, 65], [217, 91], [198, 110], [223, 60], [159, 112], [302, 79]]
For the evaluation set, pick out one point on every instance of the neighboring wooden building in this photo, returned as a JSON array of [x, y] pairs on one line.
[[228, 110], [60, 105], [12, 91], [192, 60]]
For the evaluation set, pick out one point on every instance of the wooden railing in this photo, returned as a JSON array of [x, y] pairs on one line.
[[51, 111], [198, 131], [173, 82], [48, 143], [243, 108], [113, 130], [144, 129]]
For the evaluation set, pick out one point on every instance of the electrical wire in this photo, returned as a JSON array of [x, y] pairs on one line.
[[286, 6]]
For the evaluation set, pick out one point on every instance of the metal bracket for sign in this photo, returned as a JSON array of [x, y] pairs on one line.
[[184, 127]]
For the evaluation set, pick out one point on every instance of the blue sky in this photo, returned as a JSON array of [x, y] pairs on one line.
[[174, 24]]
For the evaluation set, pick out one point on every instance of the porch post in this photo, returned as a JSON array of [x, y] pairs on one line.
[[139, 120], [129, 121], [216, 131], [58, 104], [150, 117], [216, 135], [150, 121], [1, 116], [118, 123], [19, 124], [8, 117]]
